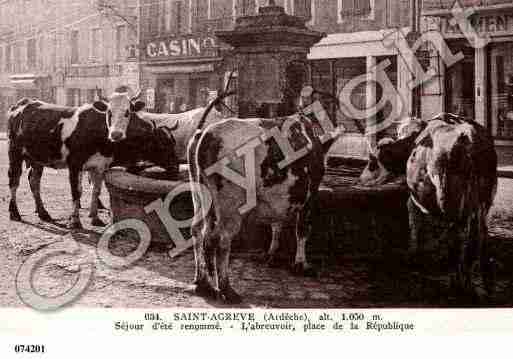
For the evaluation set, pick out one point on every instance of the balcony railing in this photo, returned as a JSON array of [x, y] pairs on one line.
[[93, 71]]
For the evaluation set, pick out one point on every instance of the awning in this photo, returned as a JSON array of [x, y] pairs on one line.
[[181, 69]]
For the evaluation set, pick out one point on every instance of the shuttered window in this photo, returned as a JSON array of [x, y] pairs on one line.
[[303, 8], [355, 7], [199, 9], [74, 46], [176, 17], [245, 7]]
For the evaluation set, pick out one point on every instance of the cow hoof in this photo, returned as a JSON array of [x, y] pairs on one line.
[[44, 216], [101, 206], [204, 289], [97, 222], [230, 296], [14, 213], [300, 269], [272, 261], [15, 216], [74, 224]]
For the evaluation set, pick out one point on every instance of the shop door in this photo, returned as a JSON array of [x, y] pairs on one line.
[[198, 93], [460, 85], [165, 101], [501, 90]]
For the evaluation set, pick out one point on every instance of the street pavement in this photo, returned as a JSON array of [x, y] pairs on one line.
[[159, 281]]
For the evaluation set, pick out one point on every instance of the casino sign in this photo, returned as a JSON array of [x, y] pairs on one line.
[[181, 47]]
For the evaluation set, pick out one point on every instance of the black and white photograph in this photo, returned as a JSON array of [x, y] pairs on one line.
[[243, 155]]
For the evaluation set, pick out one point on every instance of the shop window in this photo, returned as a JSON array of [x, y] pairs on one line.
[[501, 91], [349, 8], [74, 46]]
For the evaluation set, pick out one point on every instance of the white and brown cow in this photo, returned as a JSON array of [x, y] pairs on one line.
[[77, 138], [451, 172], [238, 161]]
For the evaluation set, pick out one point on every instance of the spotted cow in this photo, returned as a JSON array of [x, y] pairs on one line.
[[450, 165], [247, 174], [77, 138]]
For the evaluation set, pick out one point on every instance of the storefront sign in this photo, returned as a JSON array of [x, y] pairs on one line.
[[198, 46], [150, 98], [495, 25]]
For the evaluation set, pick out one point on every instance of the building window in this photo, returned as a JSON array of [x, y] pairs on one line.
[[41, 57], [176, 17], [74, 46], [199, 13], [73, 97], [31, 53], [95, 45], [219, 9], [244, 7], [120, 42], [302, 8], [8, 60], [360, 8]]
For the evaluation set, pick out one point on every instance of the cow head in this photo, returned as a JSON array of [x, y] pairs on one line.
[[388, 160], [118, 108]]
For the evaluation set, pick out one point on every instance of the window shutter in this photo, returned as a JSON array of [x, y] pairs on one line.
[[303, 8], [347, 8], [362, 7], [176, 17], [199, 13]]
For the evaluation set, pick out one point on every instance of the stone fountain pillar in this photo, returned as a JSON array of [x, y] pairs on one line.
[[270, 52]]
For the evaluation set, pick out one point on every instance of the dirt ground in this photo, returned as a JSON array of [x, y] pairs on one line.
[[159, 281]]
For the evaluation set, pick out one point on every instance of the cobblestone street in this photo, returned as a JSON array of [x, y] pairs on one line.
[[158, 281]]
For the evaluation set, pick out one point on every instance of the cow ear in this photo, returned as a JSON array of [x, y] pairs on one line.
[[138, 106], [100, 106]]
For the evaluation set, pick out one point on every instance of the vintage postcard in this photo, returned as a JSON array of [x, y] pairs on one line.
[[287, 167]]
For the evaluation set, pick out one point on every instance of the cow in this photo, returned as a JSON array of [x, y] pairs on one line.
[[160, 139], [77, 138], [255, 186], [451, 174]]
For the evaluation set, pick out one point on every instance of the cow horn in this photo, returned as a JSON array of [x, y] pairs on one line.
[[136, 96]]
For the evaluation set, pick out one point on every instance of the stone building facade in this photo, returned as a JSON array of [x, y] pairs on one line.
[[61, 51]]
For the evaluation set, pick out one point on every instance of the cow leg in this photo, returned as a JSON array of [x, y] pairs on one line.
[[303, 230], [231, 229], [205, 268], [415, 222], [97, 179], [34, 177], [487, 263], [81, 185], [74, 176], [275, 243], [14, 173]]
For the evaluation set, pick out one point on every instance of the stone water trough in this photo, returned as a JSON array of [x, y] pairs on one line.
[[348, 220]]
